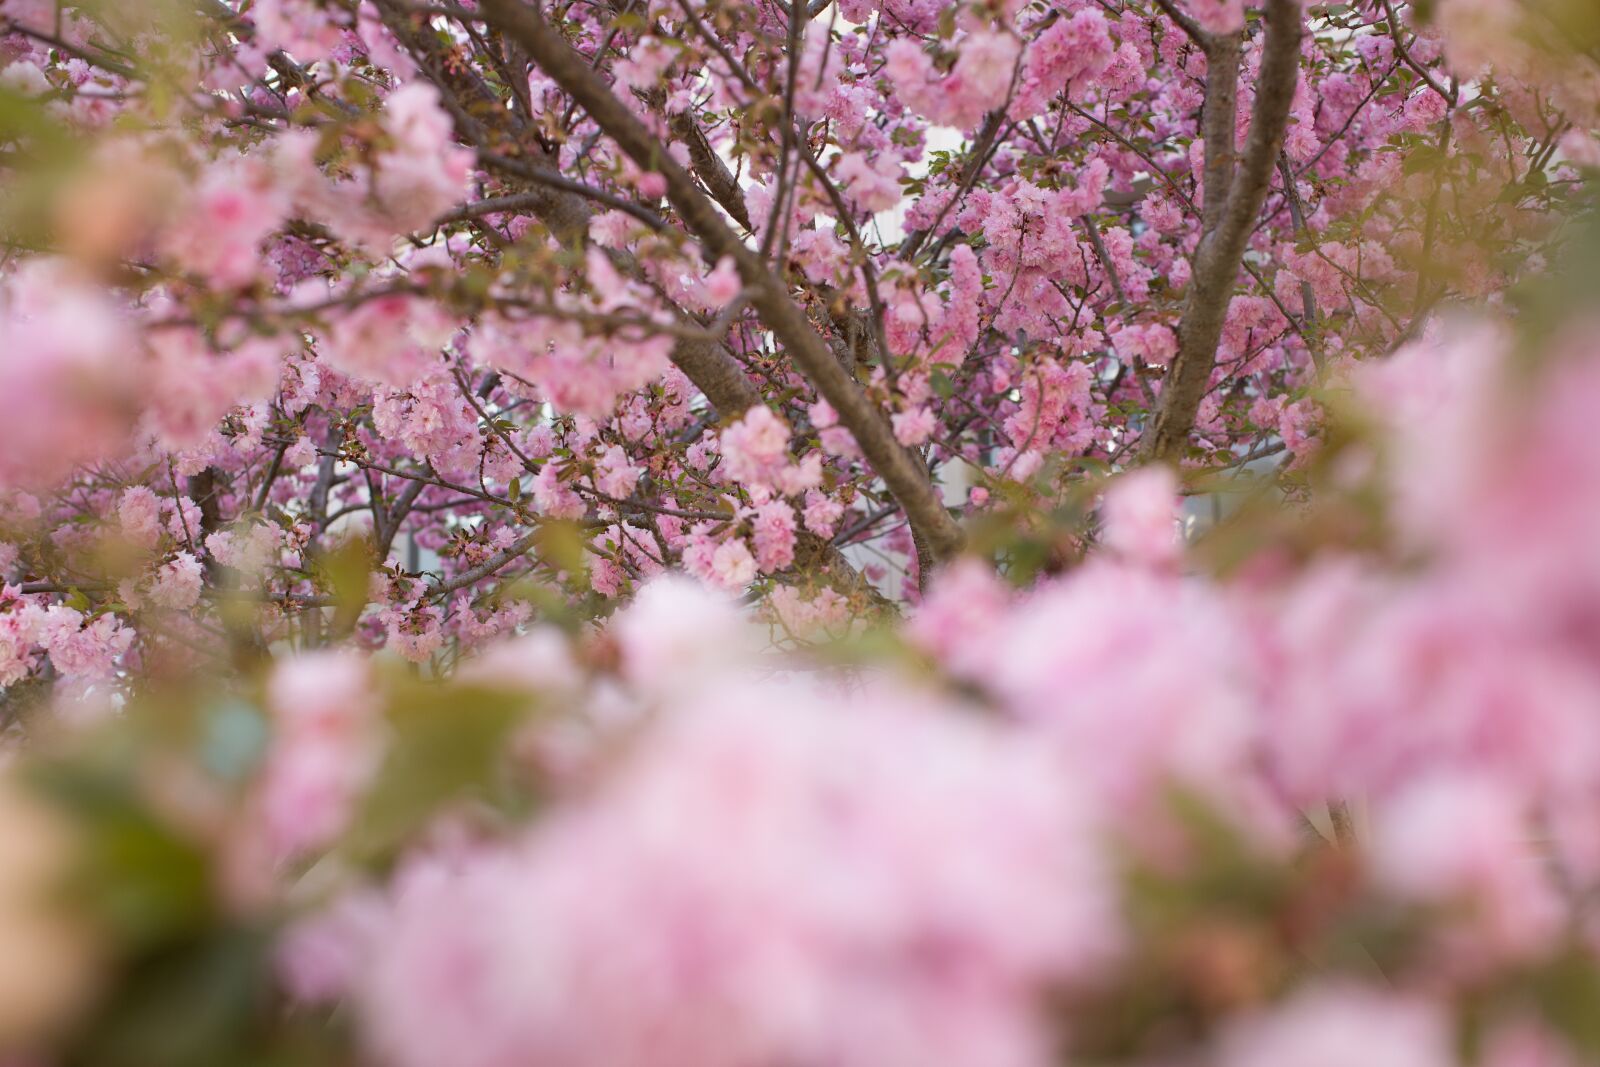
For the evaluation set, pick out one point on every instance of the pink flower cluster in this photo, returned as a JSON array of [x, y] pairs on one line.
[[373, 287], [83, 650], [784, 867], [326, 742], [767, 879], [755, 455], [417, 173]]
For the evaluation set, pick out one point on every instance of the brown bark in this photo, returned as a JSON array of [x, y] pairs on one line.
[[1233, 199], [566, 214]]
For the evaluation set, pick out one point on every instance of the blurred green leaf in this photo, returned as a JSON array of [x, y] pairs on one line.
[[197, 1004], [347, 570], [1568, 993], [138, 877], [448, 743], [565, 545]]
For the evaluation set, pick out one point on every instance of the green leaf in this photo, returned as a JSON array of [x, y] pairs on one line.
[[193, 1005], [564, 545], [447, 745], [1568, 990], [142, 881], [347, 570]]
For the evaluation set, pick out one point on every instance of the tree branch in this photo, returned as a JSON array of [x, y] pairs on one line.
[[1185, 23], [901, 472], [566, 214], [1227, 225], [710, 169], [1218, 123]]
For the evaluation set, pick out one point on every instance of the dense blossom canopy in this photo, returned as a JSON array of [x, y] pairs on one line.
[[772, 533]]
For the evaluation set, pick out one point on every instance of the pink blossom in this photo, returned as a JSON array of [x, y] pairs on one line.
[[1526, 1042], [321, 957], [822, 513], [828, 611], [914, 426], [231, 210], [1154, 344], [139, 515], [25, 79], [1462, 840], [297, 26], [16, 637], [1300, 425], [83, 650], [415, 631], [1054, 411], [614, 475], [66, 381], [1021, 466], [772, 533], [324, 749], [1141, 680], [247, 547], [539, 661], [801, 477], [1581, 148], [177, 583], [430, 417], [555, 497], [1426, 680], [756, 448], [1218, 16], [785, 854], [425, 172], [872, 184], [984, 71], [723, 284], [1141, 521], [1337, 1025], [732, 566], [676, 634], [576, 371], [393, 339], [966, 598], [1071, 51]]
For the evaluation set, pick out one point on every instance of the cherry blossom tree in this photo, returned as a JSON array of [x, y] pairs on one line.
[[693, 289], [755, 533]]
